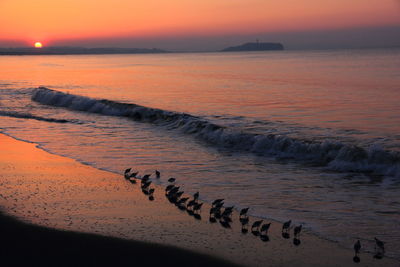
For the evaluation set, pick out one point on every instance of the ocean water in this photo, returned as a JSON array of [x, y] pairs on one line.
[[312, 136]]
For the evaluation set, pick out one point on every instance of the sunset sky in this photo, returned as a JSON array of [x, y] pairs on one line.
[[162, 22]]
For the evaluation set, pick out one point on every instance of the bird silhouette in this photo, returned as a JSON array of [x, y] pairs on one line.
[[219, 205], [227, 212], [297, 230], [379, 248], [197, 206], [171, 180], [286, 226], [146, 184], [126, 173], [213, 210], [133, 175], [244, 221], [183, 200], [169, 187], [217, 201], [158, 174], [379, 244], [265, 227], [179, 194], [191, 203], [196, 195], [174, 190], [244, 211], [256, 225], [146, 177], [357, 247], [225, 224]]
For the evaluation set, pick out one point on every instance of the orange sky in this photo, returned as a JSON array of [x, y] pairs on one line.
[[51, 20]]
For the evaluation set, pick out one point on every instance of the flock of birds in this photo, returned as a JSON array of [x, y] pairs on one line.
[[379, 249], [224, 214]]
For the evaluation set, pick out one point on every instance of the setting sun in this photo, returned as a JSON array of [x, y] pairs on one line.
[[38, 45]]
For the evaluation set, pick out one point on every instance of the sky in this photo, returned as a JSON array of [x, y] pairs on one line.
[[199, 25]]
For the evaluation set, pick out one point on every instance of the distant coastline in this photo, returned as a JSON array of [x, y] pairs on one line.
[[76, 51], [68, 50]]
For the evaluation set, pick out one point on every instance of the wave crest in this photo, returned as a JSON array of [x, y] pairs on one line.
[[333, 154]]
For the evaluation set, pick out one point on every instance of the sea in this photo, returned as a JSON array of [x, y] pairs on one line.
[[311, 136]]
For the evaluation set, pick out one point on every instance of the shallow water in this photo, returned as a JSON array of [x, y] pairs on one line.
[[312, 136]]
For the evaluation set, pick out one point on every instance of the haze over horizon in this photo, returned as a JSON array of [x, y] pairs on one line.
[[181, 25]]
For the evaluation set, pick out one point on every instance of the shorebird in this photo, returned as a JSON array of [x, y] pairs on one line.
[[158, 174], [219, 205], [133, 175], [225, 224], [265, 228], [357, 247], [197, 206], [196, 195], [214, 210], [174, 194], [256, 224], [173, 190], [243, 212], [297, 230], [145, 191], [217, 212], [286, 226], [146, 177], [171, 180], [127, 171], [227, 212], [169, 187], [183, 200], [229, 209], [146, 184], [244, 221], [191, 203], [179, 194], [379, 244], [217, 201]]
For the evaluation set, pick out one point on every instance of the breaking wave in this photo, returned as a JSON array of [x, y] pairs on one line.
[[332, 154]]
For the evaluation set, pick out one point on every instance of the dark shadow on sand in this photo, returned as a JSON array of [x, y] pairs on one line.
[[24, 244]]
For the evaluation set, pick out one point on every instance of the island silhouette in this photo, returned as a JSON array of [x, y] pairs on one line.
[[257, 46]]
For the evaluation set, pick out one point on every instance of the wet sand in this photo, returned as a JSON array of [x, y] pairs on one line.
[[59, 193]]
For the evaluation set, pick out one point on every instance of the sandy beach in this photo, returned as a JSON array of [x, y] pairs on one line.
[[56, 192]]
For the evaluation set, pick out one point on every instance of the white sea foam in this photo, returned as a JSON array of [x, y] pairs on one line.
[[332, 154]]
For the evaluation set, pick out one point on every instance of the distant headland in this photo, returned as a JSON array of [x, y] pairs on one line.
[[254, 47], [76, 51]]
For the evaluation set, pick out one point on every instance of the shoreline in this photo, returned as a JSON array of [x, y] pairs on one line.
[[71, 196]]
